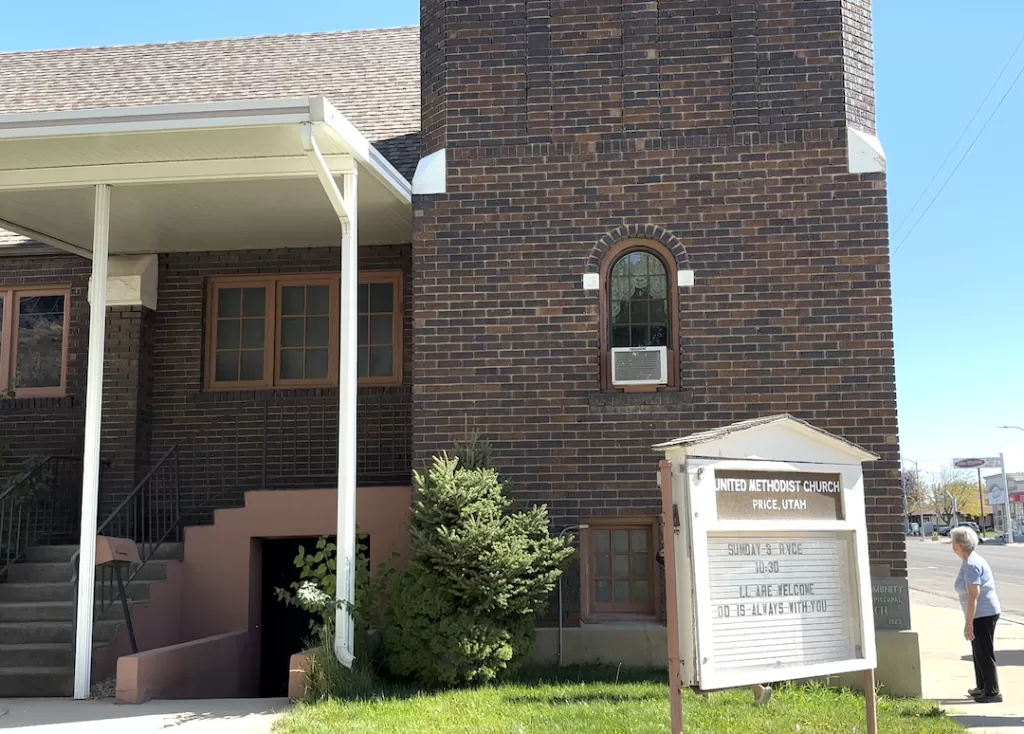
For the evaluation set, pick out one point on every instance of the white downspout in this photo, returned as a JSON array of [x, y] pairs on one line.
[[91, 451], [345, 206]]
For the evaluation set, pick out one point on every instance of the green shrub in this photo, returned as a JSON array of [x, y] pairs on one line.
[[465, 609]]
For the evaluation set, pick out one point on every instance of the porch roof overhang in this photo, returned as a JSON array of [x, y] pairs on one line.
[[195, 177]]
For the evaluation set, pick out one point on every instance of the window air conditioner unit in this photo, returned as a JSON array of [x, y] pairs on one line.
[[640, 365]]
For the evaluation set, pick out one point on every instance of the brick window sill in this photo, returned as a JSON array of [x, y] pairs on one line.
[[639, 402], [31, 405], [279, 395]]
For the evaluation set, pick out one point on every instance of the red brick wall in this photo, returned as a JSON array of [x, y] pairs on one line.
[[44, 426], [504, 72], [859, 76], [294, 432], [153, 395], [723, 127]]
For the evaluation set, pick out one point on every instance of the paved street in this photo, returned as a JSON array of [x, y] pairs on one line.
[[933, 568]]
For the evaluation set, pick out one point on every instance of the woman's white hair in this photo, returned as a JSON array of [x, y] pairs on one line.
[[964, 537]]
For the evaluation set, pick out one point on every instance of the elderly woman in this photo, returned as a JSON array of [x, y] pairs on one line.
[[976, 588]]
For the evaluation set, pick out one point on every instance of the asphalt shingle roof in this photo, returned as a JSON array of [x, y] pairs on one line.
[[372, 77]]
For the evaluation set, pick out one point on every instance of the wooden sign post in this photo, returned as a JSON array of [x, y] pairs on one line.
[[766, 558]]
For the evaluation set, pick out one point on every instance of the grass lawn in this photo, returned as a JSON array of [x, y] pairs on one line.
[[589, 701]]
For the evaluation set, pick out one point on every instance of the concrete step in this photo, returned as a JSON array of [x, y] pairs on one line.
[[56, 572], [34, 633], [46, 654], [64, 553], [50, 553], [27, 591], [36, 682], [38, 611]]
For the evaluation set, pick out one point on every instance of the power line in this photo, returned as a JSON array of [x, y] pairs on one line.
[[960, 162], [959, 139]]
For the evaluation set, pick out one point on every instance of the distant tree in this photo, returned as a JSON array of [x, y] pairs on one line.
[[961, 485], [916, 491]]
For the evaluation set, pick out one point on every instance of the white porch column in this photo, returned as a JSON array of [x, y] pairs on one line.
[[91, 452], [347, 389]]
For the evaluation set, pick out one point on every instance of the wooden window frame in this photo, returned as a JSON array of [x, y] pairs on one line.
[[589, 609], [398, 326], [11, 297], [605, 341], [272, 367], [333, 314]]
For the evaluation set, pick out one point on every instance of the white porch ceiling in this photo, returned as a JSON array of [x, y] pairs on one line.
[[217, 176]]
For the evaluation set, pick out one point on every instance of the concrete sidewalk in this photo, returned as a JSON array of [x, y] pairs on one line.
[[947, 671], [64, 716]]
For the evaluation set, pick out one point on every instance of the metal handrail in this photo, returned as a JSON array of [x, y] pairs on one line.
[[138, 489], [153, 512], [25, 520]]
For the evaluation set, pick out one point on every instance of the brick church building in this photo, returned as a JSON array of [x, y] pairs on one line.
[[584, 228]]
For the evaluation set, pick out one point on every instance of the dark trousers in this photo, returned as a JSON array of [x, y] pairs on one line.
[[983, 647]]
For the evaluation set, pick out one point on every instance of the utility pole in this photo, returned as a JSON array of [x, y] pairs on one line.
[[1006, 490], [981, 503], [903, 486], [1006, 493], [906, 514], [954, 521]]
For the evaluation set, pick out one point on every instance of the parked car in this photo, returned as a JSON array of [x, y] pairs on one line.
[[972, 525]]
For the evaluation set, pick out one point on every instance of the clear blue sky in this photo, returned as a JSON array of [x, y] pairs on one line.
[[959, 279]]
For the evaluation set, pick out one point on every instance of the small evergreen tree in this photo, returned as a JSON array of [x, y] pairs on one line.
[[465, 609]]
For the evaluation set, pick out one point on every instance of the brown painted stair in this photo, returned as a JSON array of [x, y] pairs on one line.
[[36, 619]]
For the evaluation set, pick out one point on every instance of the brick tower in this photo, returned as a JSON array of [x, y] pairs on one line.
[[730, 142]]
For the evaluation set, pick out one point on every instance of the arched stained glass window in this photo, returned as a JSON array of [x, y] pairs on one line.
[[639, 303]]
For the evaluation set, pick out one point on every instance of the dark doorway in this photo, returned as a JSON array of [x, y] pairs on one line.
[[285, 629]]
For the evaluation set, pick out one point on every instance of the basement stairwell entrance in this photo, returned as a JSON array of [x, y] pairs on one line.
[[285, 630], [290, 448]]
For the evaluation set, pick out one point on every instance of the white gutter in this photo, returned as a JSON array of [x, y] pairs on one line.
[[340, 129], [346, 207], [154, 118], [211, 115], [45, 239], [91, 451]]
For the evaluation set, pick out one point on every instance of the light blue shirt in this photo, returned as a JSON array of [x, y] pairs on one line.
[[975, 571]]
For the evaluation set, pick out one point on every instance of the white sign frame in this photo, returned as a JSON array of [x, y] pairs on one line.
[[694, 495], [991, 462]]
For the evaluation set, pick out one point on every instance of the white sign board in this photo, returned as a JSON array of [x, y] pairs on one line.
[[771, 556], [984, 462], [996, 493], [781, 600]]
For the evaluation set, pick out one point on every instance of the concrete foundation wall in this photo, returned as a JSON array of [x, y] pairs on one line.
[[222, 561], [215, 667], [156, 622]]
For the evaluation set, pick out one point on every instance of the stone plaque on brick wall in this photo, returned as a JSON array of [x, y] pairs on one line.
[[891, 598]]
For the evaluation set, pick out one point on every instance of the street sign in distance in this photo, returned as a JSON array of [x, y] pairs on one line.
[[991, 462]]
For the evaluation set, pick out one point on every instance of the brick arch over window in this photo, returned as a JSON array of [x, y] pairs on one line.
[[638, 232], [666, 265]]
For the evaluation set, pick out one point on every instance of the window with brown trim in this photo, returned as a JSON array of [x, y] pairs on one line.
[[34, 340], [620, 579], [639, 305], [283, 331]]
